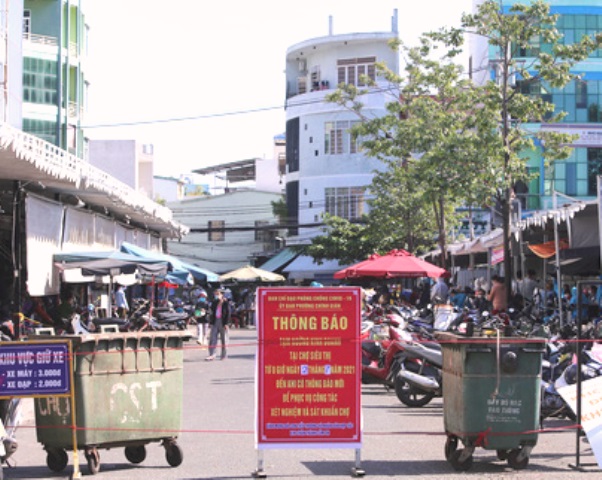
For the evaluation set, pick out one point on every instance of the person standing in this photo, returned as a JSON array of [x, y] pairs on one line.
[[220, 317], [440, 291], [529, 284], [121, 302], [497, 295], [201, 314]]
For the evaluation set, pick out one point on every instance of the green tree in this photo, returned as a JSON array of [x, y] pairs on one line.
[[343, 240], [279, 210], [431, 140], [511, 34]]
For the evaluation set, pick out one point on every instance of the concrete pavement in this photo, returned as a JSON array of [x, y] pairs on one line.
[[218, 442]]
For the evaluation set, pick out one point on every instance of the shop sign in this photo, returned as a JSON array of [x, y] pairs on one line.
[[33, 369]]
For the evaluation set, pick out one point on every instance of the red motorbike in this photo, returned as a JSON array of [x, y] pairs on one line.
[[382, 351]]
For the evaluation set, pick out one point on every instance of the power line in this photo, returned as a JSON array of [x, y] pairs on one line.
[[373, 91], [184, 119], [226, 114]]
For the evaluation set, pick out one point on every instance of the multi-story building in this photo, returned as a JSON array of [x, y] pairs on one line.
[[227, 231], [326, 171], [54, 82], [581, 100], [52, 199], [130, 161], [11, 62]]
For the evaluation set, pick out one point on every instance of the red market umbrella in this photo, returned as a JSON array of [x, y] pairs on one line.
[[395, 264]]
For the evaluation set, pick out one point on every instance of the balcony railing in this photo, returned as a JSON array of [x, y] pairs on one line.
[[65, 166], [51, 42], [41, 39]]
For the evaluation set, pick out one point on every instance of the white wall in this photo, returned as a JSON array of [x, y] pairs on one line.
[[239, 208], [11, 57], [116, 157]]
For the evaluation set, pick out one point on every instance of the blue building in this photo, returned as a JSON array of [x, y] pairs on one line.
[[581, 100]]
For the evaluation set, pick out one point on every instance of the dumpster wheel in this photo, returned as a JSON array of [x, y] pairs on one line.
[[173, 452], [451, 445], [518, 458], [93, 459], [502, 454], [135, 454], [56, 459], [461, 459]]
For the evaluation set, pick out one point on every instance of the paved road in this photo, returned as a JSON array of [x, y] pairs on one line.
[[218, 441]]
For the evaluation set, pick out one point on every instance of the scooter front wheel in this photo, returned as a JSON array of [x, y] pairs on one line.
[[411, 396]]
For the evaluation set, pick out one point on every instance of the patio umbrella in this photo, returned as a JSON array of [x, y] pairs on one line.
[[395, 264], [251, 274]]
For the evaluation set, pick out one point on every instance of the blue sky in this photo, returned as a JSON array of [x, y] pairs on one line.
[[151, 62]]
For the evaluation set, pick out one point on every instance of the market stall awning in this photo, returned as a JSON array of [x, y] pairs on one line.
[[548, 249], [179, 272], [280, 260], [305, 268], [109, 263]]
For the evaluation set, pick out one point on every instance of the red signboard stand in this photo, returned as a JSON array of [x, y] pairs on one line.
[[308, 369]]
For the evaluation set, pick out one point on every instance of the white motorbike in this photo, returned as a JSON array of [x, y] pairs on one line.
[[8, 426]]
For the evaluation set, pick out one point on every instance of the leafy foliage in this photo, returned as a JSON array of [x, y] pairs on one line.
[[447, 142]]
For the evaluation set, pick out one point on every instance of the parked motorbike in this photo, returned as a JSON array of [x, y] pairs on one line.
[[168, 318], [552, 403], [382, 348], [419, 379]]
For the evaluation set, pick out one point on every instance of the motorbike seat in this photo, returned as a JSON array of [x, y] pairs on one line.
[[431, 355], [169, 317]]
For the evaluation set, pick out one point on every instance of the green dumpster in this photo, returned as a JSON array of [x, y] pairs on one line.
[[491, 397], [128, 393]]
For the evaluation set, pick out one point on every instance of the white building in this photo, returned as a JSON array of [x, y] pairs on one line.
[[226, 231], [128, 160], [326, 172]]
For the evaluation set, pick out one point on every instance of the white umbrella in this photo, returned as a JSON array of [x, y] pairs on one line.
[[250, 274]]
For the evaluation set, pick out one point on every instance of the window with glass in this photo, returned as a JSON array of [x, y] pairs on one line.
[[594, 168], [216, 230], [345, 202], [580, 99], [260, 230], [39, 81], [26, 22], [352, 71], [573, 27], [338, 139], [41, 128]]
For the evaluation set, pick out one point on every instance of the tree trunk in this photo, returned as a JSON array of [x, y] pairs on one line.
[[507, 243], [442, 233]]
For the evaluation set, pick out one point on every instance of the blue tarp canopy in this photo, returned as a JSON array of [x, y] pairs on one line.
[[280, 260], [179, 272], [109, 263]]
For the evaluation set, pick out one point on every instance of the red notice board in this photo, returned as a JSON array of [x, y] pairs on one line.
[[308, 367]]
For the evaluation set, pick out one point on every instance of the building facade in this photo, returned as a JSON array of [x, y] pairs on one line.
[[581, 100], [130, 161], [227, 231], [52, 199], [54, 80], [325, 170], [11, 61]]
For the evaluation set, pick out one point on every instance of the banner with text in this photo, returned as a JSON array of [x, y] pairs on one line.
[[308, 367], [591, 411]]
